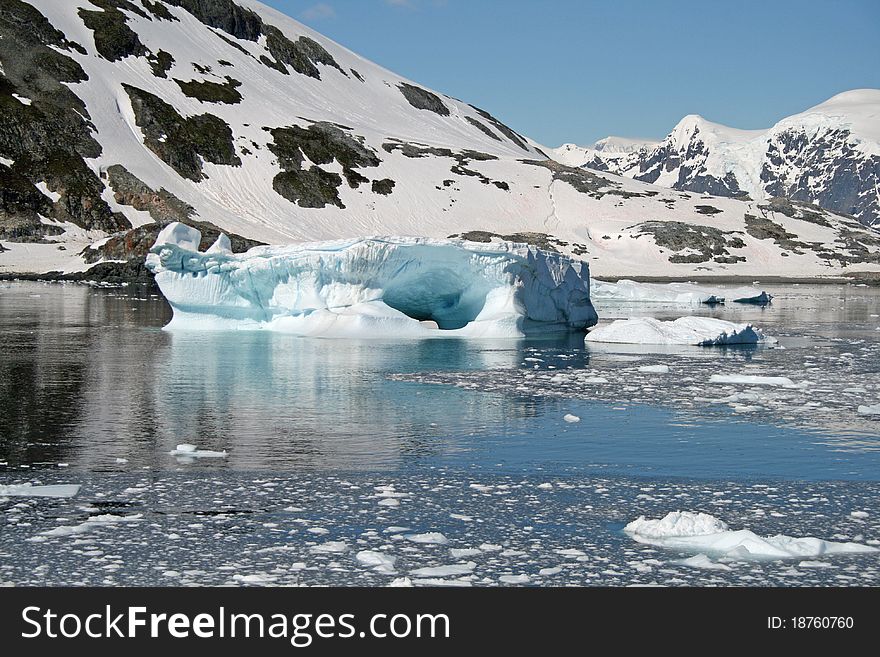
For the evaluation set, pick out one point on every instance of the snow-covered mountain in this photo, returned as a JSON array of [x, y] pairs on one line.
[[828, 156], [596, 155], [118, 117]]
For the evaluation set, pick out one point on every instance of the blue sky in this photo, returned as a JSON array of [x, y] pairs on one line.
[[578, 70]]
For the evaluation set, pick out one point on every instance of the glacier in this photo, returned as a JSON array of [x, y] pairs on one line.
[[372, 287]]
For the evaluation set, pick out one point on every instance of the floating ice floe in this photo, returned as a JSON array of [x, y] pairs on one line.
[[378, 561], [94, 522], [428, 538], [185, 450], [704, 534], [654, 369], [699, 331], [870, 410], [673, 293], [571, 419], [376, 287], [753, 380], [29, 490]]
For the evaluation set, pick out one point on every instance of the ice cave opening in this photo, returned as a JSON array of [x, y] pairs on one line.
[[441, 296]]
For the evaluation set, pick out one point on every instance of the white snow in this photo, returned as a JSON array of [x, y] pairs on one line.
[[704, 534], [700, 331], [373, 287], [29, 490]]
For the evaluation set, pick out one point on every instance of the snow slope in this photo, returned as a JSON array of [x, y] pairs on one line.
[[213, 117]]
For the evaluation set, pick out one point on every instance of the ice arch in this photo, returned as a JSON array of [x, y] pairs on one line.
[[372, 287]]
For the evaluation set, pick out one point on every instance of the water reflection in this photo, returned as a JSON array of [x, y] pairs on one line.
[[89, 377]]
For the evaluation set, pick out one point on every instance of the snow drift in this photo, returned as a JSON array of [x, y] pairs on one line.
[[703, 533], [699, 331], [372, 287]]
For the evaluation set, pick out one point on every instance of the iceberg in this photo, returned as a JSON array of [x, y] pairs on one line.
[[699, 331], [674, 293], [375, 287], [702, 533]]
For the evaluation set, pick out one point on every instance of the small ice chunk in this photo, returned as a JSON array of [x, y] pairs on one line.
[[330, 547], [701, 561], [571, 419], [752, 380], [379, 561], [654, 369], [445, 571], [401, 582], [546, 486], [515, 579], [188, 451], [428, 538], [870, 410], [859, 514], [461, 553]]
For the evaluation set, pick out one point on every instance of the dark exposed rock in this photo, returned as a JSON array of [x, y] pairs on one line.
[[462, 159], [322, 143], [302, 55], [423, 99], [357, 75], [541, 241], [796, 210], [182, 142], [762, 228], [482, 128], [583, 180], [161, 62], [159, 10], [212, 92], [163, 206], [114, 39], [707, 210], [709, 242], [503, 129], [796, 160], [21, 205], [384, 186], [48, 139], [232, 43], [224, 15], [134, 244], [311, 188]]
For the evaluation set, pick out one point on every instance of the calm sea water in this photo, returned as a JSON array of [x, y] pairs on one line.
[[88, 377]]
